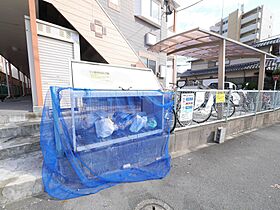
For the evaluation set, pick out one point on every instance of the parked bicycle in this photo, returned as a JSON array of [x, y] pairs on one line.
[[204, 106]]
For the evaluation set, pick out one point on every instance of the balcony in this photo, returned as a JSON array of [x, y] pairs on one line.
[[215, 29], [249, 28], [250, 18], [250, 37]]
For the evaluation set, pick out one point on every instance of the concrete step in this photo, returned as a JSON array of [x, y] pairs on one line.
[[15, 146], [7, 116], [13, 130], [20, 177]]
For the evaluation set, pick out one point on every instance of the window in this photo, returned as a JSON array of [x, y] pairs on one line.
[[154, 10], [151, 64], [149, 11], [114, 4]]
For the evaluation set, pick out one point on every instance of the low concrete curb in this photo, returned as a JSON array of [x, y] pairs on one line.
[[187, 139]]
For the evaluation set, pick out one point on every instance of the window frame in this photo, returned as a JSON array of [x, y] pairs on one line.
[[114, 6], [144, 11], [158, 8], [146, 61]]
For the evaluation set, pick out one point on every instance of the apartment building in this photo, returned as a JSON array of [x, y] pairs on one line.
[[143, 24], [247, 27], [116, 32]]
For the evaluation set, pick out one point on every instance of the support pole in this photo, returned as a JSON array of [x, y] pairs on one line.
[[12, 89], [261, 72], [174, 67], [221, 75], [33, 26], [221, 68], [174, 60], [7, 77]]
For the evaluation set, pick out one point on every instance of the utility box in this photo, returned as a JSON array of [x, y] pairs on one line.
[[220, 135]]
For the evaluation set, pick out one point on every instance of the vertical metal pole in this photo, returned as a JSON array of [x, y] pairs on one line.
[[274, 100], [12, 90], [56, 119], [221, 74], [174, 67], [261, 72], [7, 77], [228, 101], [221, 68], [257, 102], [174, 60], [73, 120]]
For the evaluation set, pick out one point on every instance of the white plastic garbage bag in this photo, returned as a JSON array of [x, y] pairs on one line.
[[138, 123], [104, 127]]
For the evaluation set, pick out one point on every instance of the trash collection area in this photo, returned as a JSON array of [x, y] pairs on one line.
[[94, 139]]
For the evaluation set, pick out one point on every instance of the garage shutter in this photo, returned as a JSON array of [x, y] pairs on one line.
[[54, 58]]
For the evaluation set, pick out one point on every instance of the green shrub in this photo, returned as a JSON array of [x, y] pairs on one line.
[[276, 71]]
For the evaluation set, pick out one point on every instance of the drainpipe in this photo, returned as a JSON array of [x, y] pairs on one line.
[[174, 60]]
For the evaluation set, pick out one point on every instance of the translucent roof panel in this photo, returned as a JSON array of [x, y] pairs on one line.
[[202, 44]]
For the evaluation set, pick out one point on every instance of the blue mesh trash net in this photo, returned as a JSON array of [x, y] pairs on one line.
[[94, 139]]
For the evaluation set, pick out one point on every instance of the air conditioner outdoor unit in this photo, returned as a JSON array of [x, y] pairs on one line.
[[150, 39]]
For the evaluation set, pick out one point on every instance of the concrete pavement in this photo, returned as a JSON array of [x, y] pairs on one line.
[[243, 173]]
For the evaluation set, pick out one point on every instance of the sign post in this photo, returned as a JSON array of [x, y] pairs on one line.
[[275, 78], [187, 104]]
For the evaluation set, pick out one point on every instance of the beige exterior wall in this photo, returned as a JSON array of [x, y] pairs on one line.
[[243, 60], [234, 25], [198, 65], [237, 74], [112, 46]]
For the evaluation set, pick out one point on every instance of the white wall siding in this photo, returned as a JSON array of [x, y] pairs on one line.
[[112, 46]]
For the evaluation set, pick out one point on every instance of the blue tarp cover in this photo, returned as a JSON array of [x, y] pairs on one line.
[[93, 139]]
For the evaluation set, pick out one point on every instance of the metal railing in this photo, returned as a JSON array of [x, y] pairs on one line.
[[199, 105]]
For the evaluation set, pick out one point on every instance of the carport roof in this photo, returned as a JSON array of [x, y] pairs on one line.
[[202, 44]]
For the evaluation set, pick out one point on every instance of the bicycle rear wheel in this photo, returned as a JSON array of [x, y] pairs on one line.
[[171, 120]]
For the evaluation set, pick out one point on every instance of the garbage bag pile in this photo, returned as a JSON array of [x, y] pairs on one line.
[[135, 128]]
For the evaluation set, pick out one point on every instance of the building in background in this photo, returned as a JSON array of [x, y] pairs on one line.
[[247, 27], [239, 71], [13, 83]]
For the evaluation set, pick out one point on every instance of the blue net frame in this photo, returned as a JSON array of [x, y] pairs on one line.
[[95, 139]]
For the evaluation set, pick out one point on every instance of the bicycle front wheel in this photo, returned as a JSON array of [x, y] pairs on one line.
[[228, 110], [201, 114]]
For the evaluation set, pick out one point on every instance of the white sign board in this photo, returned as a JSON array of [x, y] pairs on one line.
[[187, 104], [105, 76], [199, 99]]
